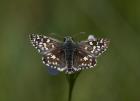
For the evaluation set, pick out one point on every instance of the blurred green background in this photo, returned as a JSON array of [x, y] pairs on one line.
[[116, 76]]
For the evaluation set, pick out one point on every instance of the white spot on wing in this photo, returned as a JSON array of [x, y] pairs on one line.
[[53, 57], [86, 48], [44, 37], [61, 69], [90, 59], [44, 44], [57, 59], [90, 43], [98, 47], [47, 64], [55, 63], [52, 46], [48, 40], [101, 41], [38, 37], [40, 45], [85, 58]]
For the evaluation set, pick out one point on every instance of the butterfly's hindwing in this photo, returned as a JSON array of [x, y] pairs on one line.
[[55, 59], [83, 60]]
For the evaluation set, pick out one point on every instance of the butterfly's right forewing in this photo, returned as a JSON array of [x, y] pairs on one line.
[[94, 47]]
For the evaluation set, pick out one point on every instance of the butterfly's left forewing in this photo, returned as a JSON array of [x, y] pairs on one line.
[[43, 43], [53, 55]]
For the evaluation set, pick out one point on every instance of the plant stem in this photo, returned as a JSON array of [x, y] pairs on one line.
[[70, 91], [71, 80]]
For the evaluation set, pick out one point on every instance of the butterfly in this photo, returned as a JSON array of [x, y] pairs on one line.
[[69, 56]]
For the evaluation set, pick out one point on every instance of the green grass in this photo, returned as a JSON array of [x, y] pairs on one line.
[[116, 76]]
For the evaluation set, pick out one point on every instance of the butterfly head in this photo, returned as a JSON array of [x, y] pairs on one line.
[[68, 39]]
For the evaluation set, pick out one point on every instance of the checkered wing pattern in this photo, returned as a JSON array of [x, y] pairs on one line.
[[83, 54], [94, 46], [83, 60], [88, 51], [53, 55]]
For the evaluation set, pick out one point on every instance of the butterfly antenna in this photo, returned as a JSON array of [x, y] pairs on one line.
[[55, 35], [79, 34]]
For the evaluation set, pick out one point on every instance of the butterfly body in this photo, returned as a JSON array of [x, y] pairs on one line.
[[69, 48], [69, 56]]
